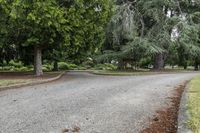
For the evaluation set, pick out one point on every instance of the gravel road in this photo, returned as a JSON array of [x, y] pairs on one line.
[[89, 103]]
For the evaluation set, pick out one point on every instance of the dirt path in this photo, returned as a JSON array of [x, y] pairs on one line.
[[88, 103]]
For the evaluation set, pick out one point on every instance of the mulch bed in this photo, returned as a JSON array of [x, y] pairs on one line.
[[166, 120]]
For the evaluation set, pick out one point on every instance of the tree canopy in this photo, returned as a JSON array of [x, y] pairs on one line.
[[128, 32], [152, 28], [74, 26]]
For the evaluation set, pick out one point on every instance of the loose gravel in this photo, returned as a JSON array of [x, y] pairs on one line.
[[87, 103]]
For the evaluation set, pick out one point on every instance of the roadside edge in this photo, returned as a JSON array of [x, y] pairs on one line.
[[32, 83], [183, 113]]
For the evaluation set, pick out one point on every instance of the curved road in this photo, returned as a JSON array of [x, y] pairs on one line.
[[89, 103]]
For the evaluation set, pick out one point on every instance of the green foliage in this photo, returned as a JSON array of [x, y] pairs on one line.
[[88, 63], [105, 66], [126, 32], [173, 57], [145, 62], [139, 29], [63, 29], [87, 20], [15, 69], [83, 67], [7, 68], [47, 67], [63, 66], [72, 66], [16, 64], [66, 66], [23, 69]]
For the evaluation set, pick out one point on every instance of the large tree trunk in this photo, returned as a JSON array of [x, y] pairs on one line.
[[196, 65], [121, 65], [159, 62], [38, 61], [185, 66]]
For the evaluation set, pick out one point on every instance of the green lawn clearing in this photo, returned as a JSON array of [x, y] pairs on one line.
[[120, 73], [137, 72], [194, 105], [9, 82]]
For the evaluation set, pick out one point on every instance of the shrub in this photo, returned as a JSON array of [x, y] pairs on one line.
[[4, 63], [16, 64], [63, 66], [45, 62], [105, 66], [22, 69], [8, 68], [72, 66], [30, 66], [82, 68], [67, 66], [47, 67], [145, 62], [88, 63]]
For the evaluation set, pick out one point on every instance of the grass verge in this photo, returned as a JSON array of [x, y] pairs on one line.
[[194, 105], [121, 73], [9, 82], [166, 119], [136, 73]]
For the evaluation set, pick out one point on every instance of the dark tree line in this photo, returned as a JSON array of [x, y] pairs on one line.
[[57, 28], [137, 33], [166, 31]]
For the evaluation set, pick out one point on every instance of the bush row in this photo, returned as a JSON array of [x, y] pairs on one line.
[[19, 66]]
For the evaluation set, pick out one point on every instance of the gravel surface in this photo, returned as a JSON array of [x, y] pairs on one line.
[[91, 103]]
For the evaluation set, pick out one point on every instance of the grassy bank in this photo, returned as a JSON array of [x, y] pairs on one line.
[[13, 79], [194, 105], [9, 82], [121, 73], [137, 72]]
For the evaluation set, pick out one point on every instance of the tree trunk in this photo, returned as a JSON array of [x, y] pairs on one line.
[[38, 61], [55, 66], [121, 65], [185, 66], [159, 62], [196, 65]]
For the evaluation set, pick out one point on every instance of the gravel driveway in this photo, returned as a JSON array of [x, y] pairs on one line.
[[91, 103]]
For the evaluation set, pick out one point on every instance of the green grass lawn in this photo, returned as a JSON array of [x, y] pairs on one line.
[[194, 105], [121, 73], [9, 82], [137, 72], [9, 79]]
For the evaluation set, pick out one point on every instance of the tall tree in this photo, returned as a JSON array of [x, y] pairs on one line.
[[189, 33], [142, 25], [53, 24], [39, 23], [7, 48], [88, 20]]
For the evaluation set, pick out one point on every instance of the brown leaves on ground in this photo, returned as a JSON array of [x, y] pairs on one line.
[[166, 120], [75, 129]]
